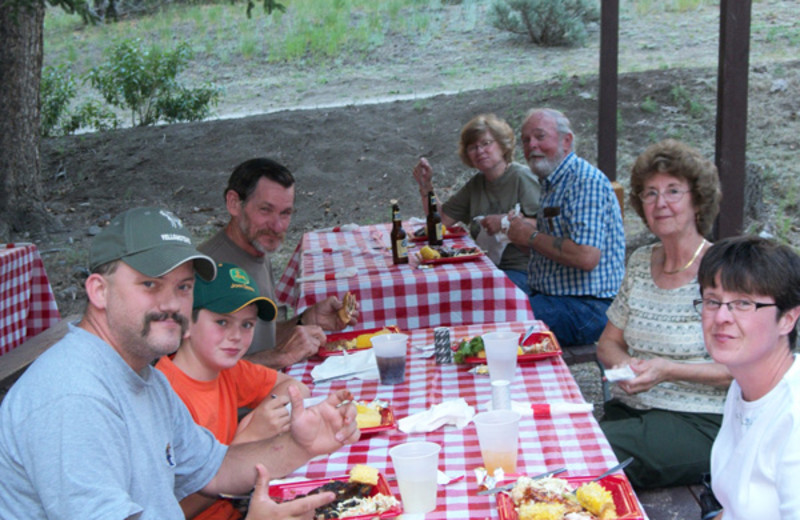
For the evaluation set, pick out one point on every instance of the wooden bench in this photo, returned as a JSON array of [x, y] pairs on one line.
[[14, 362]]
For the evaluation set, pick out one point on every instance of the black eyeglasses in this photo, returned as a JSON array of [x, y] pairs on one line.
[[734, 306]]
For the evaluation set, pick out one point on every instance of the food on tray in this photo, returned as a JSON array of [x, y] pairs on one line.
[[429, 253], [358, 342], [348, 307], [469, 348], [423, 231], [364, 474], [369, 414], [474, 348], [555, 499], [450, 252], [354, 497]]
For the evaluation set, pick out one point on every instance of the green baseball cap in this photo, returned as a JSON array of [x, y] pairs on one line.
[[151, 240], [231, 291]]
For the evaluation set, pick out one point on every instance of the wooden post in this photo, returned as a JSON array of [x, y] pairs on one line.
[[731, 138], [607, 117]]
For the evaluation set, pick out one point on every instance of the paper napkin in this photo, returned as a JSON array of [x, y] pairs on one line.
[[348, 272], [455, 412], [362, 363], [619, 374]]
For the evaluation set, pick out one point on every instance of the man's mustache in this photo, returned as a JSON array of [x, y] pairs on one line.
[[177, 317]]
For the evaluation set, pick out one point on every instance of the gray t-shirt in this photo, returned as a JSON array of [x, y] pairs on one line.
[[479, 197], [84, 436], [222, 249]]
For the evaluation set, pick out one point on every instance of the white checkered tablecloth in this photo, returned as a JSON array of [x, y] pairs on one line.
[[411, 298], [27, 304], [572, 441]]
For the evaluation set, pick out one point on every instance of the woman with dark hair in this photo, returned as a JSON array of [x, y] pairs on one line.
[[487, 144], [668, 412], [750, 304]]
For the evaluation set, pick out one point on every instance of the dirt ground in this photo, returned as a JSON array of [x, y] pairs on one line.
[[353, 151]]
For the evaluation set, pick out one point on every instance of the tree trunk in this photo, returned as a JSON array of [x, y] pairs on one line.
[[21, 201]]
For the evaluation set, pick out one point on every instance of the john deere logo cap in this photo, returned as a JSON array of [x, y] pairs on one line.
[[151, 240], [231, 291]]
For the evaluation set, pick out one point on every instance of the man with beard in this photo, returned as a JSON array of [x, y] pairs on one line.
[[260, 200], [92, 430], [578, 243]]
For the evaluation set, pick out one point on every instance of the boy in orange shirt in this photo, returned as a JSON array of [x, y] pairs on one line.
[[210, 377]]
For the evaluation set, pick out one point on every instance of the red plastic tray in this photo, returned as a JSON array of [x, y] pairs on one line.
[[290, 490], [339, 336], [621, 490], [455, 232], [388, 422], [535, 338]]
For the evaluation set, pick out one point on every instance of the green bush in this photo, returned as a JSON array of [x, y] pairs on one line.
[[546, 22], [144, 82], [56, 91]]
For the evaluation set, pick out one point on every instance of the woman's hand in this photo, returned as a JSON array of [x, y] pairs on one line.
[[423, 174], [649, 373]]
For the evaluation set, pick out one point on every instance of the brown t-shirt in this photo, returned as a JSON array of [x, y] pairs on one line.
[[223, 249]]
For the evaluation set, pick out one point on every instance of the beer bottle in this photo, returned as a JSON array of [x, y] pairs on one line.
[[434, 222], [398, 237]]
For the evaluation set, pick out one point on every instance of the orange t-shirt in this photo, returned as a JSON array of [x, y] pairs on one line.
[[215, 404]]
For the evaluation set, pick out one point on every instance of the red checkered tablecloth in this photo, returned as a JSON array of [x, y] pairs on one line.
[[572, 441], [409, 297], [27, 304]]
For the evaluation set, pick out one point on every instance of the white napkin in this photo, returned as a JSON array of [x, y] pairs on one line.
[[542, 409], [619, 374], [455, 412], [362, 362], [348, 272], [494, 245]]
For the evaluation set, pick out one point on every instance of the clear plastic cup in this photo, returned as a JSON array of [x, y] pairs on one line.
[[390, 353], [498, 436], [501, 354], [416, 465]]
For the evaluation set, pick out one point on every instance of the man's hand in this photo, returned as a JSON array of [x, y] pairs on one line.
[[300, 342], [323, 428], [325, 314], [520, 230], [262, 507], [270, 418]]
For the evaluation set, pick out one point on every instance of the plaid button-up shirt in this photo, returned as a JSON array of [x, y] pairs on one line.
[[579, 203]]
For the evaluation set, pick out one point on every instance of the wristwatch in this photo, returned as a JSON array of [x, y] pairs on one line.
[[533, 236]]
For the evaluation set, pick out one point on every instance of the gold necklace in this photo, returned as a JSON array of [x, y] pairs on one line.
[[690, 262]]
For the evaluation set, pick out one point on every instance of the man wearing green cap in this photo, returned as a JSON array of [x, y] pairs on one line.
[[92, 430], [260, 201], [210, 377]]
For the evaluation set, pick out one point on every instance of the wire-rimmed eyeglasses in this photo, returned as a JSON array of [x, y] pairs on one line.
[[734, 306], [483, 145], [671, 195]]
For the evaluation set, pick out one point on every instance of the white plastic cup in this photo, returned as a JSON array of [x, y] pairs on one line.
[[501, 395], [498, 436], [390, 353], [501, 354], [416, 465]]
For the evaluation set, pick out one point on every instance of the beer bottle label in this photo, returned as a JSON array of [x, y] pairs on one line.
[[402, 248]]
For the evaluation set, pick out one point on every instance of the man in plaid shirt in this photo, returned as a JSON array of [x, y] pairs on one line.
[[578, 243]]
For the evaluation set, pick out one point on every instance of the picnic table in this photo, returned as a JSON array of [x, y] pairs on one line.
[[546, 442], [27, 304], [473, 291]]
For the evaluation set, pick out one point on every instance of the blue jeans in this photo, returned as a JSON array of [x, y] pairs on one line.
[[575, 320], [520, 279]]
